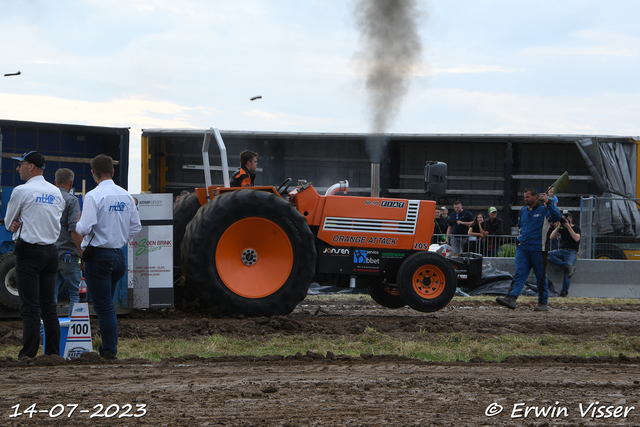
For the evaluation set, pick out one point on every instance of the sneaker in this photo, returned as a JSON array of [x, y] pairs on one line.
[[509, 301], [564, 294], [570, 269], [541, 307]]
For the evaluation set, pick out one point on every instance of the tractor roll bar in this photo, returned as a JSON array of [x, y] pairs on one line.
[[223, 157]]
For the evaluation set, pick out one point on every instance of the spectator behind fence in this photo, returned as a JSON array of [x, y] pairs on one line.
[[477, 234], [552, 198], [493, 227], [566, 256], [439, 227], [458, 227]]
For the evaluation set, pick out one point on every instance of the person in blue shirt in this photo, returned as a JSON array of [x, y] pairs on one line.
[[534, 222]]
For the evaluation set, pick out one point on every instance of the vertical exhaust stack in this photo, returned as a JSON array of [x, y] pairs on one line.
[[375, 179], [376, 146]]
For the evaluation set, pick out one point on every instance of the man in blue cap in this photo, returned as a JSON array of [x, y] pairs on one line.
[[33, 215]]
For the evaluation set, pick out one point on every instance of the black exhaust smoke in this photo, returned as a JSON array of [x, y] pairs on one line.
[[390, 53]]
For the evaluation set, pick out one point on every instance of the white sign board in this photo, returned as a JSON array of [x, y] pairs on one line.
[[79, 334], [150, 253]]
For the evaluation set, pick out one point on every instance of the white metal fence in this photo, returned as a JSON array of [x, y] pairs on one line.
[[610, 228], [489, 246]]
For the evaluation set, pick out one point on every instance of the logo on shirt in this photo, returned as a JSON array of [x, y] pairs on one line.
[[120, 207], [48, 199]]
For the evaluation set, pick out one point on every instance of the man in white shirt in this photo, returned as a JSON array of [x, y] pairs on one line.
[[33, 215], [108, 221]]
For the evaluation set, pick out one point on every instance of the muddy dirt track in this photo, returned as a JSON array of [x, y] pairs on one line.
[[336, 390]]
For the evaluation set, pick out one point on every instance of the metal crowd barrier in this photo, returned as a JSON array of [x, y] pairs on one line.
[[488, 246]]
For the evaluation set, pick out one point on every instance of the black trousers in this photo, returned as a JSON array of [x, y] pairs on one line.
[[36, 268]]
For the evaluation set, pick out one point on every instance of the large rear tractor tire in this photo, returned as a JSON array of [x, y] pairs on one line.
[[9, 297], [385, 294], [426, 281], [248, 252], [183, 212]]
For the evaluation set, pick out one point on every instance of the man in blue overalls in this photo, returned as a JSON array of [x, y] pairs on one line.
[[534, 222]]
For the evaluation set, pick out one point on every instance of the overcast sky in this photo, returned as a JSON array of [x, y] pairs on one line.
[[501, 66]]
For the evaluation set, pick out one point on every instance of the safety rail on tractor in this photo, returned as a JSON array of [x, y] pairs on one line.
[[255, 251]]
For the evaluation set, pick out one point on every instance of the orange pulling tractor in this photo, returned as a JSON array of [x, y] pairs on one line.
[[255, 251]]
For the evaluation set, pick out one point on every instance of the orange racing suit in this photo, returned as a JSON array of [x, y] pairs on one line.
[[242, 178]]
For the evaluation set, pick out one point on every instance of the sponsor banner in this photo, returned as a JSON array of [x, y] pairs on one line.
[[352, 260], [150, 253]]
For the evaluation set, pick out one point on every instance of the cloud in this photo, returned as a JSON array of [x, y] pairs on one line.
[[118, 112], [460, 111], [589, 43], [136, 113], [469, 69], [279, 121]]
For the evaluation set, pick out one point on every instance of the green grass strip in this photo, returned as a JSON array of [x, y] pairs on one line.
[[438, 347]]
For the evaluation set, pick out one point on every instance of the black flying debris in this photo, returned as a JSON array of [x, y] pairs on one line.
[[12, 74], [256, 97]]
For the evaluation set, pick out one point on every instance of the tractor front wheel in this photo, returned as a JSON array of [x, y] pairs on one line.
[[426, 281]]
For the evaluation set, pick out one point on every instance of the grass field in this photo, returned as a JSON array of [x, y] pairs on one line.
[[430, 346]]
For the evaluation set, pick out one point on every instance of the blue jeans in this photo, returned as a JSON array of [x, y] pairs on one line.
[[102, 273], [36, 268], [525, 261], [69, 276], [562, 257]]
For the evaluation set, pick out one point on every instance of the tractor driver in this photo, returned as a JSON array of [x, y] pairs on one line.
[[245, 175]]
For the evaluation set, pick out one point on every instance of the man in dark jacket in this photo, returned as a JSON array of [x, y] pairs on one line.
[[493, 227], [439, 227], [535, 219], [245, 175]]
